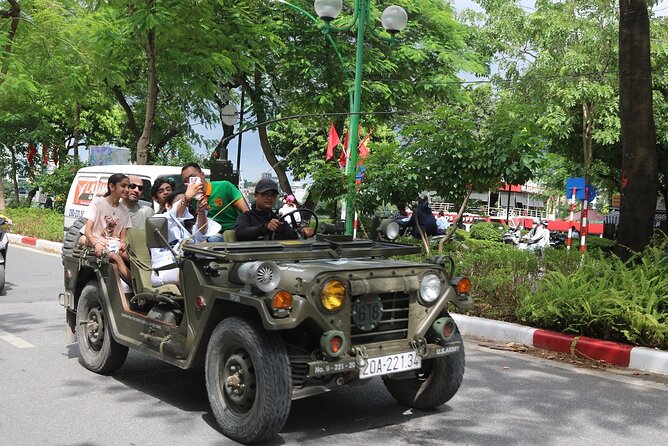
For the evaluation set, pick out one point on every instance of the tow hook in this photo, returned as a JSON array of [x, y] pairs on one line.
[[420, 346], [360, 356]]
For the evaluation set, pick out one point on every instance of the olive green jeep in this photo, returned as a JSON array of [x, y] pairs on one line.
[[273, 321]]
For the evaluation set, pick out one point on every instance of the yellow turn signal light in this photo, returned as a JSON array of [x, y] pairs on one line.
[[282, 300], [463, 286], [333, 295]]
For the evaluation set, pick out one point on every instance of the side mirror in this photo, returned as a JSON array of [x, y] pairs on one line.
[[156, 232]]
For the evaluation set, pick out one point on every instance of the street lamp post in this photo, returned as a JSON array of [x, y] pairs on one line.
[[394, 20]]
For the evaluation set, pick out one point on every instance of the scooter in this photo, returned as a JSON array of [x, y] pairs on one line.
[[512, 236], [4, 244]]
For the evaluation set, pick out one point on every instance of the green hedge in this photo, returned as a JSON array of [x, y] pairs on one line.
[[488, 231], [46, 224], [607, 299]]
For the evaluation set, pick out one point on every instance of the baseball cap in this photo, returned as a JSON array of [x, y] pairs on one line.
[[266, 184]]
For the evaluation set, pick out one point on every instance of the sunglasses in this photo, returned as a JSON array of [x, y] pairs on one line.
[[136, 186]]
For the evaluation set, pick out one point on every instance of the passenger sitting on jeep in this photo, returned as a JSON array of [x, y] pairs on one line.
[[261, 221], [176, 212], [107, 222], [225, 200]]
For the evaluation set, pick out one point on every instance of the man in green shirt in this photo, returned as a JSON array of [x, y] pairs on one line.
[[225, 200]]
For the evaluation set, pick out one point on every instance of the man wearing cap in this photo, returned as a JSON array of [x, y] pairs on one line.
[[261, 222], [225, 200]]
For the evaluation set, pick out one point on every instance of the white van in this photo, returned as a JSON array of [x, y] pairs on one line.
[[91, 182]]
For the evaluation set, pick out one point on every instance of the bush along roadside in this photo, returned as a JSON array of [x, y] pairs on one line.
[[45, 224], [607, 299]]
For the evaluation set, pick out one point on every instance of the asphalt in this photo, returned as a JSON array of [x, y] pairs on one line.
[[614, 353]]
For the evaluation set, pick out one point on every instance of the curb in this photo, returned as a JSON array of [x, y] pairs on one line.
[[44, 245], [614, 353]]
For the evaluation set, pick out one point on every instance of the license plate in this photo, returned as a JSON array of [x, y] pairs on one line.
[[384, 365]]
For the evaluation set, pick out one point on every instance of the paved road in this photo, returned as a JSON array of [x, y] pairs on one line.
[[506, 398]]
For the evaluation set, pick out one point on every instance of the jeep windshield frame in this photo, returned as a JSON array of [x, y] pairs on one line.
[[295, 250]]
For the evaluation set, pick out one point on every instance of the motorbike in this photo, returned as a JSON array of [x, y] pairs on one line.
[[4, 244], [512, 236]]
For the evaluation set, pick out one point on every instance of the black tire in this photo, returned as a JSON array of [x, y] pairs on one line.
[[72, 236], [99, 350], [257, 405], [433, 385]]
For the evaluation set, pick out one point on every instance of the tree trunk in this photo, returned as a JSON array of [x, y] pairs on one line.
[[151, 96], [587, 133], [639, 183], [15, 181], [14, 12], [453, 227], [261, 115], [77, 121]]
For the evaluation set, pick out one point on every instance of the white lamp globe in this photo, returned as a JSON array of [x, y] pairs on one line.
[[328, 10], [394, 19]]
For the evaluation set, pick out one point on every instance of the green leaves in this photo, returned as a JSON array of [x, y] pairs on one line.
[[607, 298]]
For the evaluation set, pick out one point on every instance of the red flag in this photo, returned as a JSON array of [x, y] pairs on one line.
[[344, 154], [332, 141], [32, 151], [362, 149], [45, 151]]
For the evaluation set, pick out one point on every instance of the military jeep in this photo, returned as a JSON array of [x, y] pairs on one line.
[[274, 321]]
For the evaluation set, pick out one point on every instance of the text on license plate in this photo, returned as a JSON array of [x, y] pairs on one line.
[[383, 365]]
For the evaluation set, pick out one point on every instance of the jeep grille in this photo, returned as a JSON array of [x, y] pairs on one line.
[[393, 323]]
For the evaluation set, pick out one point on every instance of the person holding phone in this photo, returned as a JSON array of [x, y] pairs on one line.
[[225, 201]]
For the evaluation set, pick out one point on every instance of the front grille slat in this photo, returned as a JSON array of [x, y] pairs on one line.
[[394, 321]]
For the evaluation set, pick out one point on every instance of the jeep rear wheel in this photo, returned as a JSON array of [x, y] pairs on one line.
[[100, 353], [248, 380], [433, 385]]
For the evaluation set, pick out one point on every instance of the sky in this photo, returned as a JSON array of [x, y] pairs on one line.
[[253, 162]]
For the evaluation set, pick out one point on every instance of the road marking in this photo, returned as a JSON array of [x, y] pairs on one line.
[[14, 340]]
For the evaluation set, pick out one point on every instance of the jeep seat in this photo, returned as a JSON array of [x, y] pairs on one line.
[[140, 265]]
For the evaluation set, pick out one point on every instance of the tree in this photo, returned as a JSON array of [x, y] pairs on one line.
[[305, 75], [639, 166]]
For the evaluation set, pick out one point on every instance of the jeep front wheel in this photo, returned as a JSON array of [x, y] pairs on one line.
[[99, 351], [433, 385], [248, 380]]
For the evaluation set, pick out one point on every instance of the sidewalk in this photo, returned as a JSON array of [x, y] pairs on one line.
[[622, 355]]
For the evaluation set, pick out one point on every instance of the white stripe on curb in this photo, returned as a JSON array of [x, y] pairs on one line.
[[648, 359], [495, 330], [43, 245]]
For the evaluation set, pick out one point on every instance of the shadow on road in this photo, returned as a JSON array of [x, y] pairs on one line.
[[537, 394]]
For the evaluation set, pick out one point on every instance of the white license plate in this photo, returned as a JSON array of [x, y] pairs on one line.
[[383, 365]]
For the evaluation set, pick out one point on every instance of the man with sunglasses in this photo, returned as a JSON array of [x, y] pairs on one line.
[[261, 222], [138, 213]]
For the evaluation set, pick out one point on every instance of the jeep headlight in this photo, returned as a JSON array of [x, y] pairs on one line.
[[430, 288], [333, 295], [389, 229]]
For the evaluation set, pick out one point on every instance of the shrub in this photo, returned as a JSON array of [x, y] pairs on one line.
[[488, 231], [606, 298], [40, 223]]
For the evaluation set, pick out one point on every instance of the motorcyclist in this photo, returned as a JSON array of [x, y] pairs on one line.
[[425, 217], [539, 236]]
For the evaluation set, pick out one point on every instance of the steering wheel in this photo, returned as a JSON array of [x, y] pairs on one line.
[[294, 223]]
